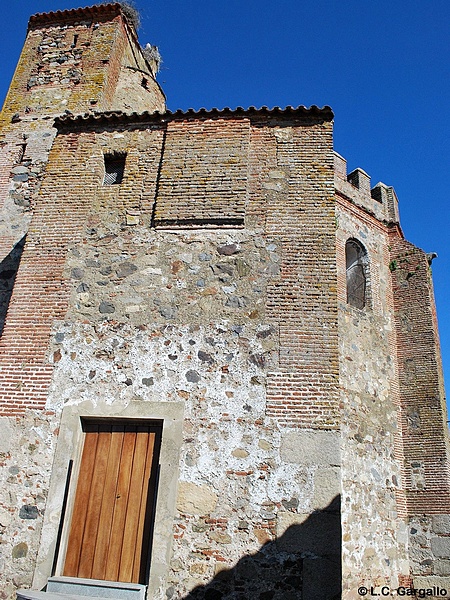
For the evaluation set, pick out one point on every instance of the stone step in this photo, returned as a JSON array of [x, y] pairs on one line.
[[96, 588], [74, 588], [36, 595]]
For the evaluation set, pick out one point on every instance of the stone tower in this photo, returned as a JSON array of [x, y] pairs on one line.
[[219, 365], [80, 61]]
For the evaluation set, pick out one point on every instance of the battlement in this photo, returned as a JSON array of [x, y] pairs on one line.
[[381, 200]]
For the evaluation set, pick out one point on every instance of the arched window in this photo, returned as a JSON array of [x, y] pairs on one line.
[[356, 270]]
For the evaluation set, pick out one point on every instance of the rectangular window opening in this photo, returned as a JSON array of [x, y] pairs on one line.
[[22, 150], [114, 168]]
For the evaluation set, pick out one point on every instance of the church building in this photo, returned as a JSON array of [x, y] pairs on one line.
[[220, 373]]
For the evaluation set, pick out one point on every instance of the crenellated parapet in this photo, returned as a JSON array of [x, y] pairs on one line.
[[380, 201]]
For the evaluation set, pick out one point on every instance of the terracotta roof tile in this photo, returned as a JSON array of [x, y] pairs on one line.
[[117, 116], [75, 14]]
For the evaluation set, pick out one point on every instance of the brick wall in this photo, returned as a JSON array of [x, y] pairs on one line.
[[203, 177], [199, 313], [423, 413], [40, 291], [302, 296]]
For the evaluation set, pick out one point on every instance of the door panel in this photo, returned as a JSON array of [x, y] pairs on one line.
[[133, 509], [143, 532], [120, 507], [107, 508], [109, 537], [81, 505]]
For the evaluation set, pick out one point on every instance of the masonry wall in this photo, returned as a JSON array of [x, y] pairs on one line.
[[423, 417], [372, 482], [151, 316], [72, 60], [393, 400]]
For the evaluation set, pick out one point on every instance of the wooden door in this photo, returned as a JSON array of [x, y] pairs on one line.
[[112, 517]]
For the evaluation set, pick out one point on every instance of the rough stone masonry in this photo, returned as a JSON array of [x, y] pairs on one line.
[[219, 363]]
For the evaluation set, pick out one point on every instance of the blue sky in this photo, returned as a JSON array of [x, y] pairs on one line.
[[382, 66]]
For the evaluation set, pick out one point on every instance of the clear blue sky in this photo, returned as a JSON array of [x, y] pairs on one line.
[[383, 66]]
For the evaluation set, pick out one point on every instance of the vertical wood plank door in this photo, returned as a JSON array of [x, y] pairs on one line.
[[112, 518]]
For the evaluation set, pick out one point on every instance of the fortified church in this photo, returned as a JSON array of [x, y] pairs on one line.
[[220, 371]]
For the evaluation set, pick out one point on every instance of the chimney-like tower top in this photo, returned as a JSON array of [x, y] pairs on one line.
[[97, 12]]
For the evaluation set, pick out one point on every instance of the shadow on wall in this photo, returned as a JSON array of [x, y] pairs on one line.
[[302, 564], [8, 271]]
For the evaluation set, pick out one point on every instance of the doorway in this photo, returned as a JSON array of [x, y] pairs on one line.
[[112, 518]]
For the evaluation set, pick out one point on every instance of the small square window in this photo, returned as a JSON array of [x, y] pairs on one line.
[[114, 168]]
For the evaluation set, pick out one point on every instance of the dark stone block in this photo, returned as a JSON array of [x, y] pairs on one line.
[[29, 512], [106, 308], [258, 359], [77, 273], [205, 357], [126, 269]]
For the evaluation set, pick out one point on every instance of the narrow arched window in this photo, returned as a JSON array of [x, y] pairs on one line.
[[356, 271]]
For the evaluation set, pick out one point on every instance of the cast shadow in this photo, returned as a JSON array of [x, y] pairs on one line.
[[8, 271], [302, 564]]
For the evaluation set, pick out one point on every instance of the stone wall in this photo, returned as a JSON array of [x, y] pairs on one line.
[[372, 480], [73, 60], [430, 550], [27, 444]]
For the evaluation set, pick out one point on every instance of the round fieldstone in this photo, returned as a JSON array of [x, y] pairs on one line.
[[228, 249], [168, 312], [126, 269], [193, 376], [205, 357], [77, 273]]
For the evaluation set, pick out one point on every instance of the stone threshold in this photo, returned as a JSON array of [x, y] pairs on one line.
[[75, 588]]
